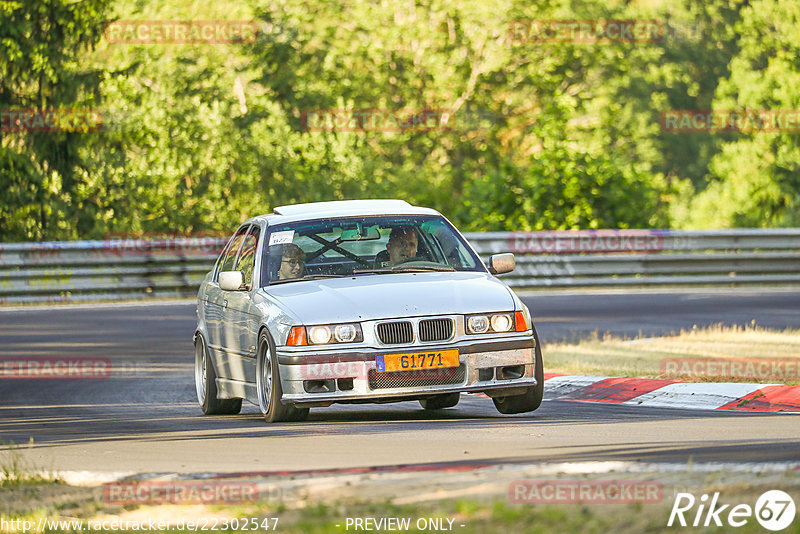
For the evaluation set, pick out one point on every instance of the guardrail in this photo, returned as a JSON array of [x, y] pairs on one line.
[[647, 257], [105, 270], [124, 268]]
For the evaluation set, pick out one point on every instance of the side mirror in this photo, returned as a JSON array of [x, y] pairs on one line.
[[231, 280], [502, 263]]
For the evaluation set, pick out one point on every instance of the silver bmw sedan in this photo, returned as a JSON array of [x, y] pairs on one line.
[[359, 301]]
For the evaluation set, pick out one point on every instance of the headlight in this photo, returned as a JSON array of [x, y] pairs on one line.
[[345, 333], [477, 324], [324, 334], [496, 322], [502, 323], [319, 335]]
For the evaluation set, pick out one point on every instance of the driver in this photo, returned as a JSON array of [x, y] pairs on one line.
[[402, 245], [292, 262]]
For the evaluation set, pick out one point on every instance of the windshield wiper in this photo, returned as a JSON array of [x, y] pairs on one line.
[[413, 268], [307, 277], [377, 270], [404, 269]]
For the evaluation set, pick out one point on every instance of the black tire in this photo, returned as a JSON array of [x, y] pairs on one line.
[[530, 400], [205, 382], [268, 385], [446, 400]]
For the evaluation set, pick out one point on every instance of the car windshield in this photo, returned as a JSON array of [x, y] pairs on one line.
[[363, 246]]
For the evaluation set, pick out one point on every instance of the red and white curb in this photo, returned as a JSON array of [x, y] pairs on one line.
[[671, 394]]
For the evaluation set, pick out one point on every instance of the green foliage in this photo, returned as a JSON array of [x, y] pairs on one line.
[[756, 176], [42, 44], [539, 135], [563, 187]]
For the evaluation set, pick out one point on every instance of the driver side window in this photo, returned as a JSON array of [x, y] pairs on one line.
[[247, 257], [227, 262]]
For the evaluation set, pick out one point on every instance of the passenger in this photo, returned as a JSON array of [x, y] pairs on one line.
[[292, 262]]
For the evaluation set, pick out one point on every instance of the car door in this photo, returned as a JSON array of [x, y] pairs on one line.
[[240, 318], [217, 301]]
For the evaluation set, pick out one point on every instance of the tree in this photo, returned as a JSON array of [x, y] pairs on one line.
[[755, 178], [41, 44]]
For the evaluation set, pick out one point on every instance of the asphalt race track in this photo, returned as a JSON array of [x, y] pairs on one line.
[[144, 418]]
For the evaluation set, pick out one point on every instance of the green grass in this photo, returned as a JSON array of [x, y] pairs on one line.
[[15, 470], [487, 513], [476, 516], [496, 514]]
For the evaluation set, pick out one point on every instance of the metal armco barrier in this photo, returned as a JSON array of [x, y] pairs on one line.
[[113, 269], [126, 268], [630, 258]]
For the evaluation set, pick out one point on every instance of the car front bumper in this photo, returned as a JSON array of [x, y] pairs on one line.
[[493, 366]]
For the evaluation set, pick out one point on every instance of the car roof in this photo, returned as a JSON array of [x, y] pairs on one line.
[[342, 208]]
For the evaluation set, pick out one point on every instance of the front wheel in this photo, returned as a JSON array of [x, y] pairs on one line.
[[532, 398], [268, 385], [205, 381]]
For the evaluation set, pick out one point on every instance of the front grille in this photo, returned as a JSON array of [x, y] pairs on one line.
[[408, 379], [395, 333], [435, 329]]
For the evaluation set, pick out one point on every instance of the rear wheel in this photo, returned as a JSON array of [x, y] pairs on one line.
[[205, 381], [532, 398], [438, 402], [268, 385]]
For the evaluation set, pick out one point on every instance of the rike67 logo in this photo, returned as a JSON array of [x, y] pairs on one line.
[[774, 510]]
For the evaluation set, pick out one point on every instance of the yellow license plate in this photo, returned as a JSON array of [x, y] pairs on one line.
[[410, 361]]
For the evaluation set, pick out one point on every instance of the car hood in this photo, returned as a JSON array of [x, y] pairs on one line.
[[382, 296]]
